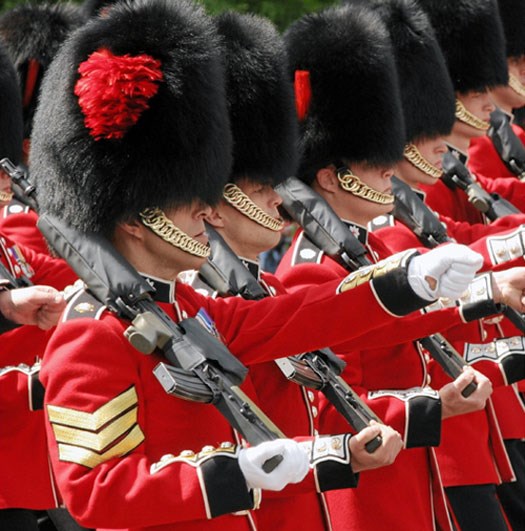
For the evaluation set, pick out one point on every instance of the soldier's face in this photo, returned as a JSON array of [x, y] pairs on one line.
[[168, 259], [480, 105], [432, 151], [5, 186], [246, 237], [506, 97]]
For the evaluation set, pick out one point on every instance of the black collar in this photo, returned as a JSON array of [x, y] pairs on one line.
[[253, 267], [361, 233], [164, 289], [460, 155]]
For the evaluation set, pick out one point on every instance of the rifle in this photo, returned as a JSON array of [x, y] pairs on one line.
[[297, 198], [456, 174], [200, 367], [23, 190], [507, 144], [319, 370], [412, 212]]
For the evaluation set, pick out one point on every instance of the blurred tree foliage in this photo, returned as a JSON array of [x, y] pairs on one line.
[[282, 12]]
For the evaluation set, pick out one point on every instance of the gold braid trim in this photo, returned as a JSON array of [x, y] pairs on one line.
[[156, 220], [241, 202], [413, 155], [353, 184], [465, 116], [6, 196], [516, 85]]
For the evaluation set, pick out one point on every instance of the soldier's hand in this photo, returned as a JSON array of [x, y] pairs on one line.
[[443, 272], [509, 287], [35, 305], [454, 403], [292, 469], [385, 455]]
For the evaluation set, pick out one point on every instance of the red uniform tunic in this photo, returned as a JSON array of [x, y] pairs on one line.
[[484, 159], [18, 222], [471, 451], [454, 203], [295, 410], [26, 478], [110, 422], [393, 382]]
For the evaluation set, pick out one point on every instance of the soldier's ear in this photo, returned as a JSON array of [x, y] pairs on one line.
[[132, 228], [326, 179], [215, 218]]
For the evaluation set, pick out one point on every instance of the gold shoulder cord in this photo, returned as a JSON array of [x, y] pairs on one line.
[[465, 116], [6, 196], [413, 155], [156, 220], [241, 202], [516, 85], [353, 184]]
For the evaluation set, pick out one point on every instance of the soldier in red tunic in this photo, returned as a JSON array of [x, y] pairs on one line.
[[132, 141]]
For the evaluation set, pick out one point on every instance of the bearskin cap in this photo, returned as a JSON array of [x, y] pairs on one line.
[[427, 93], [346, 85], [93, 8], [133, 115], [512, 13], [32, 34], [260, 98], [471, 37], [11, 124]]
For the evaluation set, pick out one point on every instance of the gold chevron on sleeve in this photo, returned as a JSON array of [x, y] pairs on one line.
[[90, 459], [93, 421], [91, 438]]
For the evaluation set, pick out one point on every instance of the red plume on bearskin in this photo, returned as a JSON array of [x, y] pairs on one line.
[[113, 91], [303, 93]]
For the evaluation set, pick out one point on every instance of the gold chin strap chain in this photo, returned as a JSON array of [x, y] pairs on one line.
[[156, 220], [468, 118], [413, 155], [241, 202], [516, 85], [6, 196], [353, 184]]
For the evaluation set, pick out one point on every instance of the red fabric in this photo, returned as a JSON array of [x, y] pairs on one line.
[[484, 159], [21, 226], [113, 91], [303, 93]]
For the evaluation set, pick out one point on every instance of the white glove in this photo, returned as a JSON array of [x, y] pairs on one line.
[[291, 469], [443, 272]]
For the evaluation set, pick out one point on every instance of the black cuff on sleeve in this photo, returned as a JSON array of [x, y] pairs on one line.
[[424, 422], [396, 294], [225, 486], [6, 324], [332, 475], [477, 310]]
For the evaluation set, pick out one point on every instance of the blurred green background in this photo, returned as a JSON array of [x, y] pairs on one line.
[[282, 12]]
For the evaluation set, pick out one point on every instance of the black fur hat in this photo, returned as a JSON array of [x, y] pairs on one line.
[[104, 147], [93, 8], [512, 13], [260, 98], [11, 124], [471, 36], [32, 34], [347, 90], [426, 89]]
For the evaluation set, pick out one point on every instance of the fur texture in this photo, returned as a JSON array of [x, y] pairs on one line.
[[426, 89], [11, 124], [355, 109], [512, 14], [178, 151], [36, 31], [471, 36], [260, 99]]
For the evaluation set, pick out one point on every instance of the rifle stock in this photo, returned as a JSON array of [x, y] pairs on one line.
[[508, 146]]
